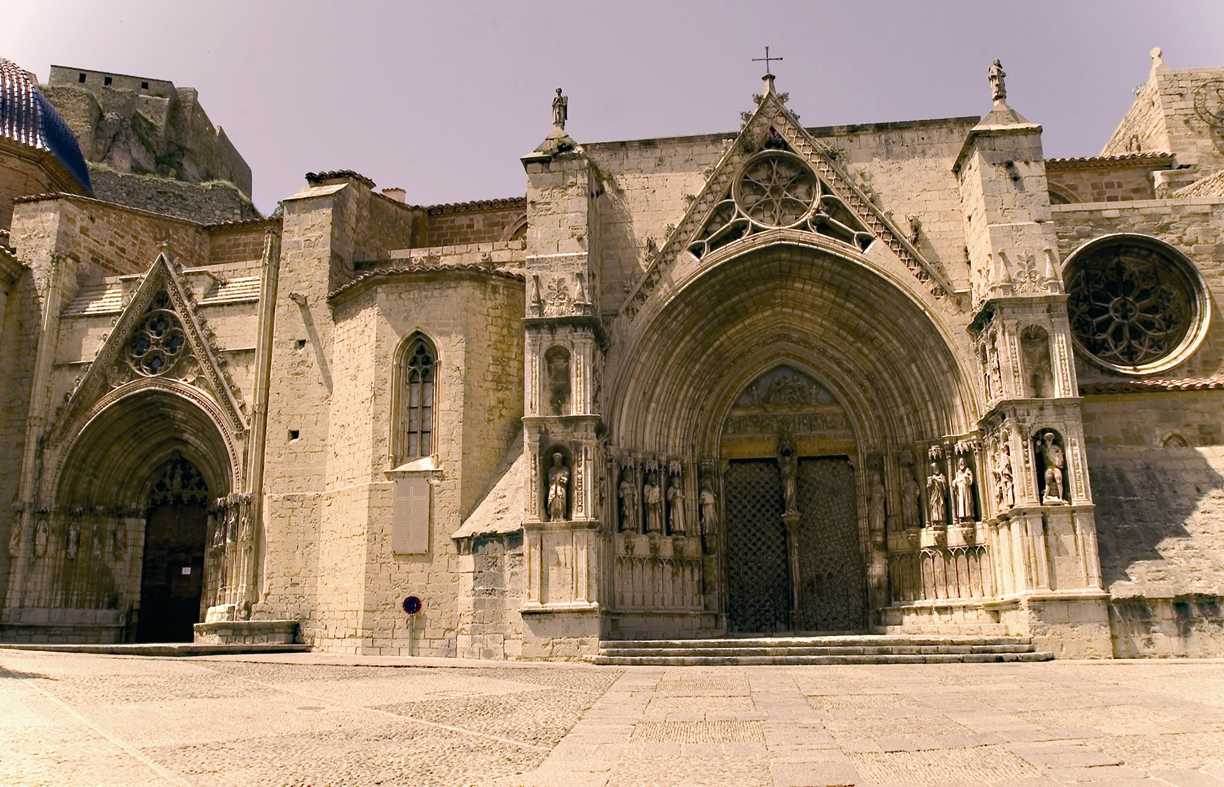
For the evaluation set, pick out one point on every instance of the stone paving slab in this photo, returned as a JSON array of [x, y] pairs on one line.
[[323, 719]]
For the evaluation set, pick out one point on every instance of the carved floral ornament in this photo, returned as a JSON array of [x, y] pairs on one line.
[[776, 189], [1136, 306]]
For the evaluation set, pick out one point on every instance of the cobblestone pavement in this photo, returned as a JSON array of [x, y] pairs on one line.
[[313, 719]]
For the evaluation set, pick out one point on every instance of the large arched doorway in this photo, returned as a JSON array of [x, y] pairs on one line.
[[854, 376], [133, 496]]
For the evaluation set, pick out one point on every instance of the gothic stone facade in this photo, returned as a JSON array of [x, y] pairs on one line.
[[904, 377]]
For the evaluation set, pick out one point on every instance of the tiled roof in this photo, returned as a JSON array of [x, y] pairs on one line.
[[1155, 384], [479, 204], [425, 267], [1154, 158], [1210, 186], [28, 118], [315, 178]]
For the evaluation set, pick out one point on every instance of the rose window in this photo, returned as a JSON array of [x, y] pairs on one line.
[[1134, 307], [777, 190], [158, 343]]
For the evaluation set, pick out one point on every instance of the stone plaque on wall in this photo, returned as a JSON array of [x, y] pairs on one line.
[[410, 516]]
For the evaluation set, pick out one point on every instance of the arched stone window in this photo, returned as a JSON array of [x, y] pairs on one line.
[[1137, 305], [416, 391]]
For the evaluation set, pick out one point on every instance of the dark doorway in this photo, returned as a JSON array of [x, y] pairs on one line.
[[832, 582], [172, 577], [758, 578]]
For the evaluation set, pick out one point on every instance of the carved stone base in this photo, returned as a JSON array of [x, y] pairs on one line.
[[932, 537], [963, 535], [246, 632], [221, 612]]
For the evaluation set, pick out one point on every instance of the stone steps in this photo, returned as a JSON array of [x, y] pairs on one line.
[[837, 649], [162, 648]]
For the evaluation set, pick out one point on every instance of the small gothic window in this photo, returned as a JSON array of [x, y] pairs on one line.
[[417, 400], [1136, 305]]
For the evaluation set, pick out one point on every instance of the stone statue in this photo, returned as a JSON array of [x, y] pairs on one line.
[[72, 539], [937, 497], [910, 498], [675, 501], [95, 541], [789, 467], [1007, 488], [709, 508], [997, 76], [42, 535], [118, 540], [560, 108], [629, 502], [653, 498], [1055, 460], [962, 492], [558, 488], [218, 535], [877, 504], [557, 363], [15, 537], [231, 520]]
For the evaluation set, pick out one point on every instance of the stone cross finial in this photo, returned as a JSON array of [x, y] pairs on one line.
[[996, 76], [560, 108]]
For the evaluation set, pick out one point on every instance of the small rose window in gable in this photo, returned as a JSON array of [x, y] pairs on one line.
[[776, 189], [158, 342], [1136, 305]]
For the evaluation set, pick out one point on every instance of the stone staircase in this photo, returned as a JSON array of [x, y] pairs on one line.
[[827, 649]]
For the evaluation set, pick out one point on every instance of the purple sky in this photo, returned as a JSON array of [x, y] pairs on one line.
[[443, 97]]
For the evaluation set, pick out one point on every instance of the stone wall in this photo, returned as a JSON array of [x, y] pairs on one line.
[[1162, 548], [22, 172], [1088, 181], [1177, 110], [474, 222], [204, 203]]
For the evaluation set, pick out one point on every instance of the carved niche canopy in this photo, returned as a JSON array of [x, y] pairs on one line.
[[1133, 306], [776, 189]]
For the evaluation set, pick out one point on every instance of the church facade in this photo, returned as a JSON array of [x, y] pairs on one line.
[[907, 377]]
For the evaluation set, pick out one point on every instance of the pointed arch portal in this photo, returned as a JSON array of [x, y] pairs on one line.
[[790, 360]]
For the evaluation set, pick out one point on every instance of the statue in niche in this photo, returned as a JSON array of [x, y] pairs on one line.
[[118, 540], [675, 502], [937, 497], [42, 535], [14, 545], [653, 498], [1007, 487], [709, 508], [95, 541], [1035, 344], [877, 505], [557, 363], [996, 370], [789, 466], [218, 539], [962, 492], [1055, 460], [560, 109], [628, 501], [911, 495], [72, 539], [558, 488]]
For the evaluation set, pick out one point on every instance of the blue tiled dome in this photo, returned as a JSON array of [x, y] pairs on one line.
[[27, 117]]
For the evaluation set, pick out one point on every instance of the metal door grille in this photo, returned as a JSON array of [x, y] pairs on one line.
[[832, 583], [758, 582]]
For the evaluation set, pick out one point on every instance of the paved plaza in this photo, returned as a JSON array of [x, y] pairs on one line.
[[314, 719]]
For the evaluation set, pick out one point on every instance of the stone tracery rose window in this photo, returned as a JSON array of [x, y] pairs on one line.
[[776, 190], [1135, 305], [158, 342]]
